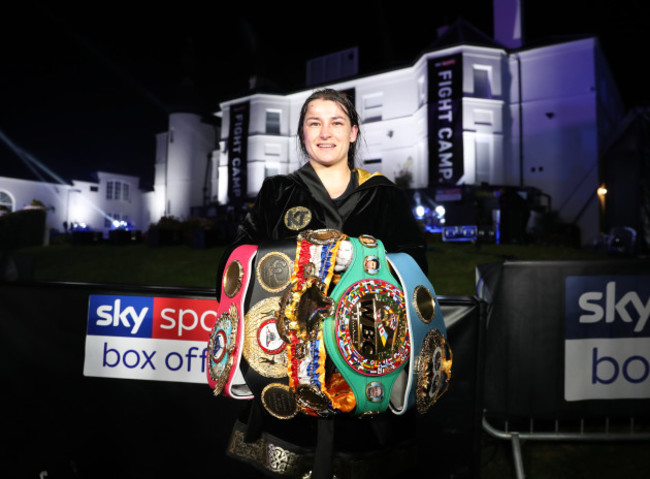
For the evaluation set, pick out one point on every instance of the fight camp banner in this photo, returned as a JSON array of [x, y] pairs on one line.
[[238, 151], [445, 122], [567, 338], [150, 338]]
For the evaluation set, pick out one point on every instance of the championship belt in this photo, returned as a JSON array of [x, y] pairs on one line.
[[226, 337], [368, 336], [304, 307], [429, 370], [264, 350]]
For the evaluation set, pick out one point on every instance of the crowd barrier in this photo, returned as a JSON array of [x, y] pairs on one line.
[[567, 351], [63, 419]]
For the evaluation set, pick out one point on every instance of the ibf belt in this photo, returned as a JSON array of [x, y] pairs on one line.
[[430, 361], [368, 336], [226, 337]]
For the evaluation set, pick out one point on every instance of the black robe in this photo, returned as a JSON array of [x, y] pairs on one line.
[[375, 206], [372, 204]]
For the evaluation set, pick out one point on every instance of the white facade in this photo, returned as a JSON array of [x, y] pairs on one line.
[[183, 156], [534, 118], [530, 118], [82, 204]]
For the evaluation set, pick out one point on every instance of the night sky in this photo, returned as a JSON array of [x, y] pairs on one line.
[[87, 87]]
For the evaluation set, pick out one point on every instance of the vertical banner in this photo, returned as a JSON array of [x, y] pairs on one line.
[[237, 151], [445, 125]]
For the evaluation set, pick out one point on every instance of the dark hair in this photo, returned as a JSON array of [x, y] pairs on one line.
[[348, 107]]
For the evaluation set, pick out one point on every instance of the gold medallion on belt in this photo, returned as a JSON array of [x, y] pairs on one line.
[[264, 349]]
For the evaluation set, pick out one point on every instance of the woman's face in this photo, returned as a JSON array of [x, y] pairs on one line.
[[327, 133]]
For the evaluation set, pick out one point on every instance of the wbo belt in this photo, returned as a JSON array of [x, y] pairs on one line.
[[226, 337], [368, 336], [429, 370]]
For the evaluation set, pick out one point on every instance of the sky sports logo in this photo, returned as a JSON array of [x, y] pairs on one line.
[[607, 337], [150, 338]]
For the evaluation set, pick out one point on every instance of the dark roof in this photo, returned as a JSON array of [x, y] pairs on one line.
[[461, 32]]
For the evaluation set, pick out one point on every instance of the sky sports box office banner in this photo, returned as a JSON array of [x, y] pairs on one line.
[[110, 381], [144, 337], [567, 339]]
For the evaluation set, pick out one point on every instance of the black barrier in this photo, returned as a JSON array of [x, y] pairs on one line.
[[525, 338], [60, 423], [566, 351]]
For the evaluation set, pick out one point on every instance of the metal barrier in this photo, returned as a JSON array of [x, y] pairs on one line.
[[534, 384]]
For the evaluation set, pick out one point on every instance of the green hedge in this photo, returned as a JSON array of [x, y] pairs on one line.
[[22, 228]]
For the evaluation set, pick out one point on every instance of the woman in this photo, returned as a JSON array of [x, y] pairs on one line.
[[328, 192]]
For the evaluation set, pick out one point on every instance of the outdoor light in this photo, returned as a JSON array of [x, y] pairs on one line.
[[419, 211], [601, 191]]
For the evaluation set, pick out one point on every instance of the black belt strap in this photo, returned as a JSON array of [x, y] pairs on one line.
[[324, 457]]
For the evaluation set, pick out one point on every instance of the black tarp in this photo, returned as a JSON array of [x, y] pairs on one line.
[[59, 422], [525, 339]]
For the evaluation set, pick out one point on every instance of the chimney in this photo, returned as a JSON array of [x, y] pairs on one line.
[[507, 23]]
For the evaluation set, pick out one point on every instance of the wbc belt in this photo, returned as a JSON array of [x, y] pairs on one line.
[[368, 336], [226, 337], [429, 369]]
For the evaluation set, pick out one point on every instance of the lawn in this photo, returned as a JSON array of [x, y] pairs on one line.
[[451, 265]]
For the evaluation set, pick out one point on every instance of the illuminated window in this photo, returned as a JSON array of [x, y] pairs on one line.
[[272, 122], [483, 159], [117, 190], [482, 83], [372, 107], [422, 91], [6, 201]]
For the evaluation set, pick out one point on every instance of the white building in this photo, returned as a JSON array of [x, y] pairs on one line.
[[468, 111]]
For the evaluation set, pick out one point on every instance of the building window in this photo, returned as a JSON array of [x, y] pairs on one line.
[[118, 190], [482, 83], [372, 107], [483, 160], [272, 122], [6, 201], [94, 189], [422, 91]]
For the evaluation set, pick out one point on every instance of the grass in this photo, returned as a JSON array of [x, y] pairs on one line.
[[451, 265], [452, 272]]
